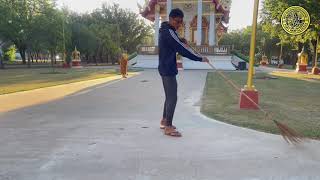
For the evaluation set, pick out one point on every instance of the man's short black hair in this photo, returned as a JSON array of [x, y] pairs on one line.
[[176, 13]]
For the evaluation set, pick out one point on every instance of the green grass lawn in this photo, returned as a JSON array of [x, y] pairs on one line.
[[295, 102], [15, 80]]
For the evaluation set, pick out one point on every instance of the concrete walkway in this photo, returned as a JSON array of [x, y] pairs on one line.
[[112, 132]]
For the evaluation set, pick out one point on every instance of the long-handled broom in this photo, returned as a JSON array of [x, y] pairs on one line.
[[288, 134]]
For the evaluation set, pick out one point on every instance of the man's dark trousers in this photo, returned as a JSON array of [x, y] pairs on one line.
[[170, 88]]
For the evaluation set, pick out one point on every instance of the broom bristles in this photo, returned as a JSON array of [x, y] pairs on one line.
[[288, 134]]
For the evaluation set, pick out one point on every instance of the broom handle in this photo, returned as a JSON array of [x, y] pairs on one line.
[[228, 80]]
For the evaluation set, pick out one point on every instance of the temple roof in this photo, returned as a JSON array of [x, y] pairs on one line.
[[222, 6]]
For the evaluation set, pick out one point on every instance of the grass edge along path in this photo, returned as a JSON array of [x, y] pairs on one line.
[[37, 96], [290, 101], [12, 81]]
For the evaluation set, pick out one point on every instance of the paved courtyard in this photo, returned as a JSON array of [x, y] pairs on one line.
[[111, 131]]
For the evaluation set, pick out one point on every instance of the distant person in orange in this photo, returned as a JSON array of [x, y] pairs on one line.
[[124, 64]]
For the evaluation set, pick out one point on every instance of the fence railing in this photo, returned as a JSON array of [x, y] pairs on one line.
[[203, 49], [148, 50]]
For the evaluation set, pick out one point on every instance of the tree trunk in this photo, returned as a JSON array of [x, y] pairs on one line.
[[112, 60], [314, 44], [38, 56], [22, 51], [300, 46], [295, 59], [52, 61], [87, 58], [101, 58], [95, 60], [1, 63], [29, 59], [281, 52], [55, 58], [51, 57], [32, 56]]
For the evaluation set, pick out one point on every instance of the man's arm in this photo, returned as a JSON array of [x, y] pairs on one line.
[[184, 41], [183, 49]]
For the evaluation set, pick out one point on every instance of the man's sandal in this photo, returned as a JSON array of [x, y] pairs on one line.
[[170, 131], [163, 124]]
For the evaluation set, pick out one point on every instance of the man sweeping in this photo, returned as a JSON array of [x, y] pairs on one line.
[[169, 45]]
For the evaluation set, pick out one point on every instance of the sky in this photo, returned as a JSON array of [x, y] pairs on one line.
[[240, 15]]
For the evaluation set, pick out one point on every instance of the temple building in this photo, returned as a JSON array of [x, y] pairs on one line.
[[205, 22]]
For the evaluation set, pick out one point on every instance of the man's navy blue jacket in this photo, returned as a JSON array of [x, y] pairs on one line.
[[169, 45]]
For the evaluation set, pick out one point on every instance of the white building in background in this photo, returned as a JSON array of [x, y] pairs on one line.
[[205, 22]]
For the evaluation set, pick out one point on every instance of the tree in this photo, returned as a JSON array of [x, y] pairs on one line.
[[10, 53], [84, 39], [271, 18], [16, 21], [37, 27], [240, 39], [133, 30], [103, 33]]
